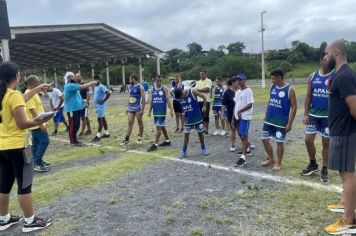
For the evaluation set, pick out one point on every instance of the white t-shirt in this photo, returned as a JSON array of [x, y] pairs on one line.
[[243, 98], [54, 96]]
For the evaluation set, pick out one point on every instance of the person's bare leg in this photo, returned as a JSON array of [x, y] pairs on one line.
[[165, 133], [280, 153], [158, 134], [349, 184], [186, 139], [201, 138], [100, 123], [269, 150], [222, 124], [4, 204], [325, 152], [244, 140], [309, 144], [233, 134], [131, 121], [105, 124], [56, 126], [140, 124], [216, 122], [88, 124], [181, 121], [177, 115], [25, 201]]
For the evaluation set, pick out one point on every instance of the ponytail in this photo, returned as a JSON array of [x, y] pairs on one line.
[[3, 89]]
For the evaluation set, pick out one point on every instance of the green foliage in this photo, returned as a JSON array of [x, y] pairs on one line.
[[284, 65], [353, 65], [236, 48], [194, 49]]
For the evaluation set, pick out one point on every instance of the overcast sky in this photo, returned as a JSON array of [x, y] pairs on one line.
[[169, 24]]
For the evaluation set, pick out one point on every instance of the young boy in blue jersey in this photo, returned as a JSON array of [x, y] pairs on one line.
[[135, 108], [101, 95], [193, 118], [280, 114], [217, 104], [159, 101], [316, 119]]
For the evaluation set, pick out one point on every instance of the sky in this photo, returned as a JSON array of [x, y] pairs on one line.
[[169, 24]]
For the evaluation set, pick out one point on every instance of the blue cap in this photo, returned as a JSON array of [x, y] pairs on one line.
[[240, 77]]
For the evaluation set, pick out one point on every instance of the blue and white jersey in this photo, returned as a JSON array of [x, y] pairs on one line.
[[135, 99], [191, 109], [278, 106], [320, 94], [218, 96], [159, 101]]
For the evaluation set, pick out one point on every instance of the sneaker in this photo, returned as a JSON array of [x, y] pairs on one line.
[[106, 136], [341, 227], [206, 133], [41, 168], [181, 130], [88, 132], [77, 144], [223, 133], [310, 169], [165, 143], [13, 221], [54, 133], [139, 141], [80, 134], [125, 142], [324, 177], [46, 163], [251, 146], [95, 139], [248, 153], [240, 162], [182, 155], [216, 132], [37, 224], [232, 148], [177, 130], [204, 152], [153, 147], [338, 207]]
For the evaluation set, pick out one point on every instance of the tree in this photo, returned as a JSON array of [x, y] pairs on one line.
[[194, 49], [236, 48]]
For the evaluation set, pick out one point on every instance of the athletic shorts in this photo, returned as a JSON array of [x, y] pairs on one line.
[[217, 110], [242, 127], [198, 127], [15, 165], [159, 121], [177, 107], [277, 133], [59, 117], [342, 153], [84, 112], [226, 115], [100, 111], [317, 125], [205, 115]]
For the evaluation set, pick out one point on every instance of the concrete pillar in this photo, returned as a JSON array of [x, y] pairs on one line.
[[55, 78], [79, 68], [107, 74], [92, 71], [140, 68], [5, 50], [158, 65], [123, 75], [44, 76]]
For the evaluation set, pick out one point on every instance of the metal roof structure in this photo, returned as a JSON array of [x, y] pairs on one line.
[[60, 45]]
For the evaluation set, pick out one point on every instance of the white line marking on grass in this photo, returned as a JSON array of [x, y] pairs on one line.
[[254, 174], [87, 144]]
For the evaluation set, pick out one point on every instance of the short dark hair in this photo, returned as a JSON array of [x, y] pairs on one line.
[[96, 77], [202, 70], [135, 77], [158, 76], [218, 78], [231, 81], [278, 72], [178, 92]]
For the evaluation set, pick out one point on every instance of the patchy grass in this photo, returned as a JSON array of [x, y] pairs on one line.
[[60, 227], [196, 232], [303, 70]]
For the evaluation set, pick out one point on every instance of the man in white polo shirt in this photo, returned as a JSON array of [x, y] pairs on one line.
[[57, 104], [204, 86]]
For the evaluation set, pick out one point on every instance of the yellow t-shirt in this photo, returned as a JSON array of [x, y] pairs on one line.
[[204, 84], [11, 136], [36, 104]]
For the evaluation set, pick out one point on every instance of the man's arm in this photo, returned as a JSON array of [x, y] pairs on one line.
[[143, 96], [61, 101], [307, 102], [197, 93], [293, 102], [51, 104], [87, 85], [27, 96], [107, 95], [351, 103]]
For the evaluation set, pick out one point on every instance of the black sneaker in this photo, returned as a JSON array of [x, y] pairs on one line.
[[240, 162], [95, 139], [153, 147], [324, 176], [164, 143], [46, 163], [176, 131], [248, 153], [37, 224], [310, 169], [13, 221], [106, 136], [54, 134], [125, 142], [77, 144], [41, 168]]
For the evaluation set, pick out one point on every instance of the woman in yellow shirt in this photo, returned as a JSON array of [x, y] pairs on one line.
[[14, 163]]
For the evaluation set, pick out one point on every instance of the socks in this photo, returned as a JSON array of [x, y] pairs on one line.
[[127, 138], [243, 157], [30, 219], [106, 132], [202, 146], [313, 162], [185, 148], [156, 144], [5, 218]]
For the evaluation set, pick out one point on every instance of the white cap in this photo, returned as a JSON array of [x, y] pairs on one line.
[[66, 76]]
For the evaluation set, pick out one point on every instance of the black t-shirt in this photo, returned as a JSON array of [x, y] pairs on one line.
[[84, 92], [341, 123], [228, 101]]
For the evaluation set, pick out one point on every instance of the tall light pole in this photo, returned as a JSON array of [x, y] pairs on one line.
[[263, 51]]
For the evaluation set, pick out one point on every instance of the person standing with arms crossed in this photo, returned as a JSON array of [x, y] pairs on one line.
[[342, 125], [56, 102], [217, 104], [280, 114], [15, 162], [85, 94], [316, 119], [204, 86]]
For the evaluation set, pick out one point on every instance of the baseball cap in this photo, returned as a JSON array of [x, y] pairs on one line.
[[240, 77]]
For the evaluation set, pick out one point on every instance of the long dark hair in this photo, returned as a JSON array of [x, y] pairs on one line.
[[8, 72]]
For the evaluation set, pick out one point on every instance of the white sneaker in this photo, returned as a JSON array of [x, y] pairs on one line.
[[233, 148], [216, 132], [139, 141], [251, 146], [222, 133]]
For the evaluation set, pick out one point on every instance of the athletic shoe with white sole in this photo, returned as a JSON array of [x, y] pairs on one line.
[[125, 142], [341, 227], [232, 148], [182, 155], [165, 143], [223, 133], [251, 146], [216, 132], [240, 162], [204, 152], [13, 221], [37, 224], [324, 176], [310, 169]]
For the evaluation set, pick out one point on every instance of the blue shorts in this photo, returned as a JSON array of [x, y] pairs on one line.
[[217, 110], [269, 131], [159, 121], [58, 117], [100, 111], [317, 124], [242, 127], [198, 127]]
